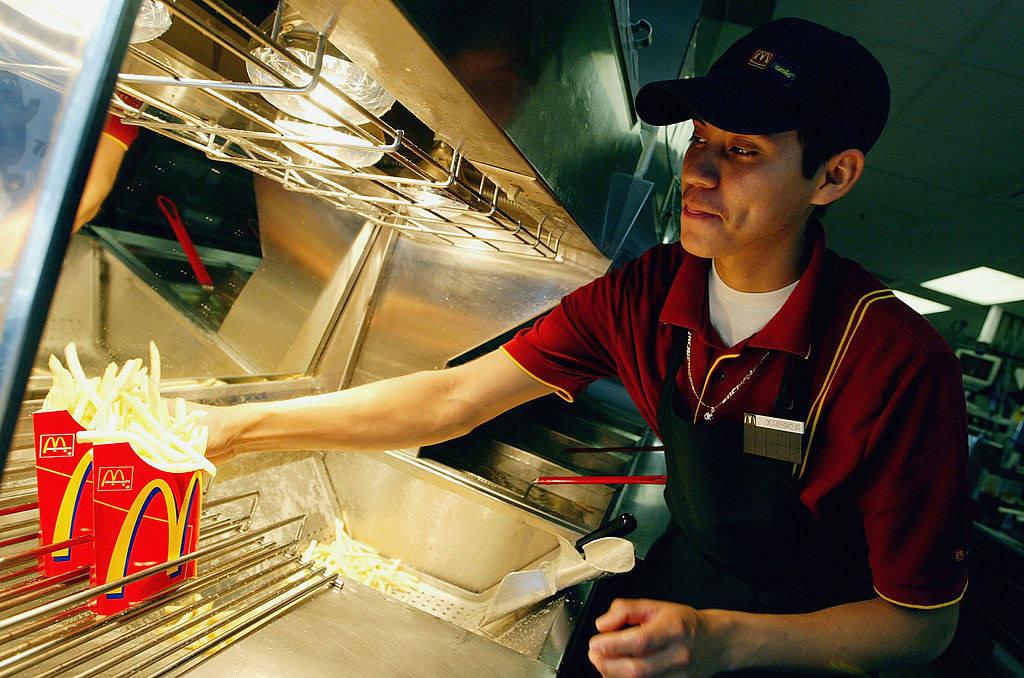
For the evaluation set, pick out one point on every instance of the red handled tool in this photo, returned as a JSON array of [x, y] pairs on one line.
[[170, 211], [601, 480]]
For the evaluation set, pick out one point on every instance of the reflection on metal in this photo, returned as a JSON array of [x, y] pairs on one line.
[[429, 306], [112, 312], [312, 254], [229, 121]]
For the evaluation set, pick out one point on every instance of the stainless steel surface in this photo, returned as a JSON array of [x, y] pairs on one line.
[[112, 314], [510, 452], [312, 254], [553, 77], [358, 632], [229, 121], [530, 92], [359, 279], [458, 537], [431, 307], [243, 582]]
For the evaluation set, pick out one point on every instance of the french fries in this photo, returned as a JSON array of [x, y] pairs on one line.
[[124, 405], [354, 560]]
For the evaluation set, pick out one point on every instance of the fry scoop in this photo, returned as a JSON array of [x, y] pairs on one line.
[[600, 556]]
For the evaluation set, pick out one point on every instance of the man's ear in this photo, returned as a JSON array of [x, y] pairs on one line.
[[838, 176]]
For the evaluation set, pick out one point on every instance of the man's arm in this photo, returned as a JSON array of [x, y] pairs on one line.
[[648, 638], [408, 411]]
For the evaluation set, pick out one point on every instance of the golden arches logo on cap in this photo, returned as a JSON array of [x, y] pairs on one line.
[[761, 59]]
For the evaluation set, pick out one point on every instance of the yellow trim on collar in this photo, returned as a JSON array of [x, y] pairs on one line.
[[856, 316]]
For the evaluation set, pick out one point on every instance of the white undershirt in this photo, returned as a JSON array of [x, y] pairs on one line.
[[737, 315]]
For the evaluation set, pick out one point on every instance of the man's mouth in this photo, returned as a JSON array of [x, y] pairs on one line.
[[697, 212]]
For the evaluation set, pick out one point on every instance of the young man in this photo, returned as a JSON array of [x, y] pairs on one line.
[[840, 545]]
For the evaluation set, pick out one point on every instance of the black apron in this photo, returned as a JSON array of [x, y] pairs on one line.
[[739, 537]]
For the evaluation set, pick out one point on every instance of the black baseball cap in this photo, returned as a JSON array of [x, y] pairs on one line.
[[787, 74]]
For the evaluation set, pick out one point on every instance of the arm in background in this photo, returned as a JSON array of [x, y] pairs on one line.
[[117, 137]]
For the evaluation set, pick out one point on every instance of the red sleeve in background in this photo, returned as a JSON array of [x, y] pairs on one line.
[[119, 131]]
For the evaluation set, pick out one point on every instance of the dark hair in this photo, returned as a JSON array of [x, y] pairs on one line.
[[818, 148]]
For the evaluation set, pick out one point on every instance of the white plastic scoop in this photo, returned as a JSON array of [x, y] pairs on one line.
[[594, 555]]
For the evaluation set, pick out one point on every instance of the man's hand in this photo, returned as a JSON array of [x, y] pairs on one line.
[[655, 638], [218, 448]]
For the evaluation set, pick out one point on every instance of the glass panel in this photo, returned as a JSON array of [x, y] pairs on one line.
[[55, 57]]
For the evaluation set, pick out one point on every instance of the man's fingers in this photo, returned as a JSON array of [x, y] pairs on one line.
[[658, 664], [625, 612], [640, 637]]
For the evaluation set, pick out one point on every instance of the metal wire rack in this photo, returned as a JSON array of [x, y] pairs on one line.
[[423, 197], [245, 579]]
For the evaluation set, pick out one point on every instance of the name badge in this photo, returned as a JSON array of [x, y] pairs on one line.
[[773, 437]]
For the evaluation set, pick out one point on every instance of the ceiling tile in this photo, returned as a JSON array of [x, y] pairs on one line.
[[943, 162], [999, 46], [909, 73], [938, 26], [978, 106]]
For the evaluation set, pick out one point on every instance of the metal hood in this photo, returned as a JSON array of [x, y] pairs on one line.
[[501, 144]]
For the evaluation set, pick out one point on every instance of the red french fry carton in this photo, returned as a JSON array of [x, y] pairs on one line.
[[64, 482], [142, 516]]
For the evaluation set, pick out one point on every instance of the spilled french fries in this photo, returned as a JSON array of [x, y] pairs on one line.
[[357, 561], [125, 405]]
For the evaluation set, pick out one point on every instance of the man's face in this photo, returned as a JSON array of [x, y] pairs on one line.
[[744, 196]]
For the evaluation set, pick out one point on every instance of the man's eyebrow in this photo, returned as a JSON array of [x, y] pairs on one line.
[[771, 139]]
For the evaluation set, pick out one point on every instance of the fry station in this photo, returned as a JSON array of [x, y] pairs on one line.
[[213, 206], [320, 195]]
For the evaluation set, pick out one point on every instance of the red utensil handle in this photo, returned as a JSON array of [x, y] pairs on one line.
[[170, 211], [601, 480]]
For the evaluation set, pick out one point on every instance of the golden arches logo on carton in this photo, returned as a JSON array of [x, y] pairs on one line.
[[115, 478], [57, 445], [177, 526], [70, 503]]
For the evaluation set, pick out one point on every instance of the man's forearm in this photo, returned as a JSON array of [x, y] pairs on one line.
[[863, 636], [408, 411], [383, 415]]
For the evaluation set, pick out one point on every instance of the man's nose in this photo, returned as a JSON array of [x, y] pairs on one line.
[[700, 169]]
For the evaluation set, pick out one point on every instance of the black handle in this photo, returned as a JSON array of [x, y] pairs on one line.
[[616, 527]]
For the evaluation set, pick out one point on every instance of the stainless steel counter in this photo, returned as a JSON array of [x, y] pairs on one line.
[[355, 631]]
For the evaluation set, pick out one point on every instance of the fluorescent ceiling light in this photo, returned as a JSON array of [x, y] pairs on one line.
[[982, 285], [920, 304]]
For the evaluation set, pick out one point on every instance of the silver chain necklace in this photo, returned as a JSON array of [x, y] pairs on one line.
[[710, 414]]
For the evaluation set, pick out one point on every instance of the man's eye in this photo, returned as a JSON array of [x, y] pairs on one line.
[[696, 140], [744, 152]]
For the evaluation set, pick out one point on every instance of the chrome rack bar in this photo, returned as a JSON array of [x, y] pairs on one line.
[[198, 620], [160, 621], [247, 625], [84, 596], [57, 641]]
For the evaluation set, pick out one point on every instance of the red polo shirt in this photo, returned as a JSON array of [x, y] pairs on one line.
[[887, 424]]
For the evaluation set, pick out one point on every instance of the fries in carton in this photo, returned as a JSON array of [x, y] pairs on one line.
[[145, 472]]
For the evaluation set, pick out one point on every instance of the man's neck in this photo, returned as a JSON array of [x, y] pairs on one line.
[[762, 273]]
